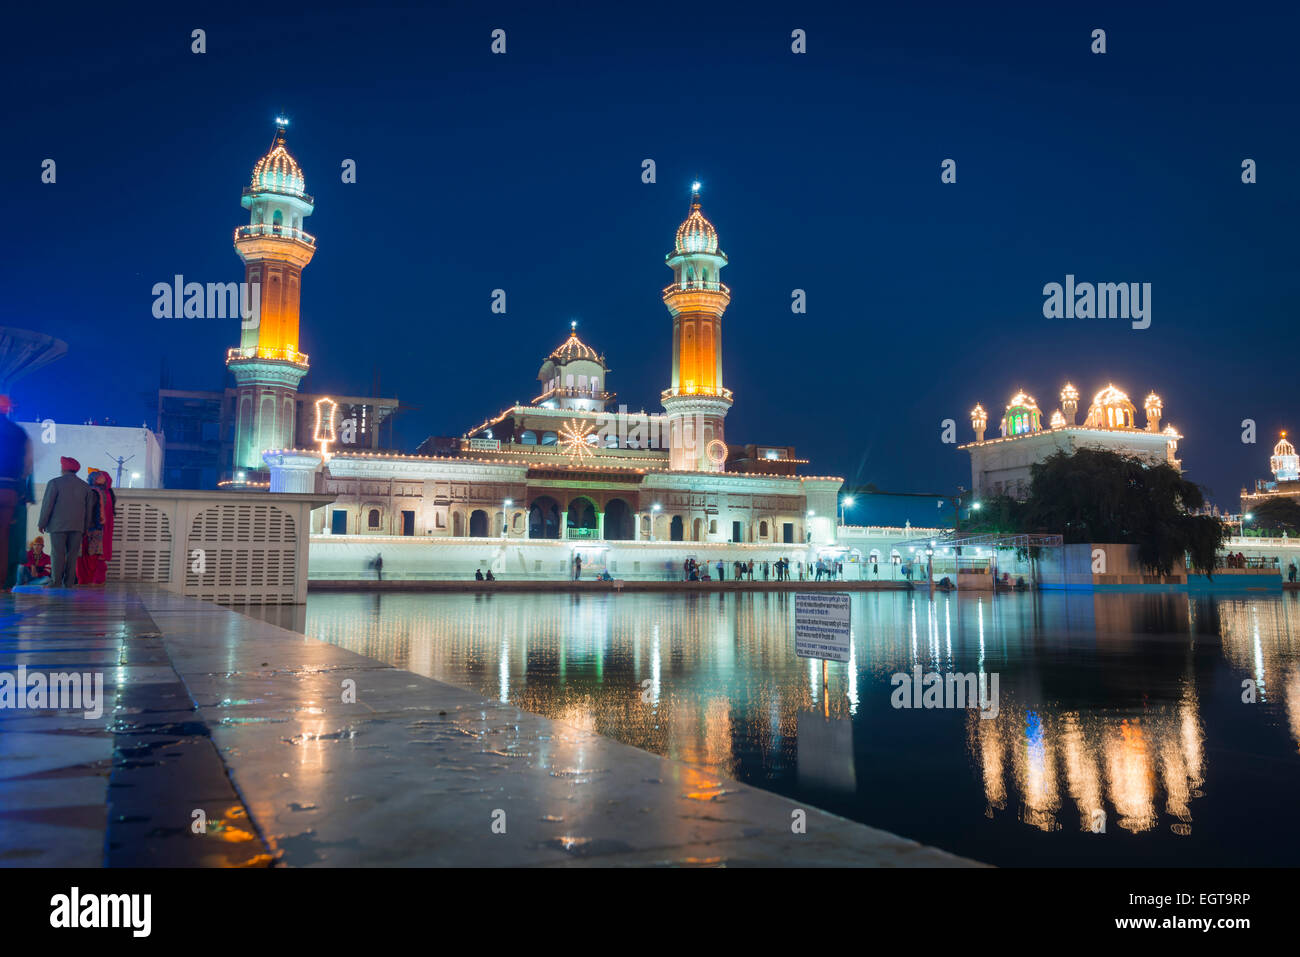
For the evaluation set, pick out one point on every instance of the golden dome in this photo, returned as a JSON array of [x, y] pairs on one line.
[[573, 348], [1284, 447], [1058, 419], [1111, 409], [1024, 400], [277, 171], [696, 234], [1069, 393]]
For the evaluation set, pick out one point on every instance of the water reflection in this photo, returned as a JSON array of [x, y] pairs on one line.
[[1113, 712]]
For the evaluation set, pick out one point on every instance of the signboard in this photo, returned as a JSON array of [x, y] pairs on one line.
[[821, 625]]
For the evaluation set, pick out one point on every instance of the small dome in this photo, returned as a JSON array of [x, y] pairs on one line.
[[1058, 419], [1069, 393], [1022, 415], [1024, 400], [278, 172], [572, 349], [1111, 409], [696, 234], [1284, 447]]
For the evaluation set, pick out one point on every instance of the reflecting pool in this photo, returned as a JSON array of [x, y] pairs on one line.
[[1122, 733]]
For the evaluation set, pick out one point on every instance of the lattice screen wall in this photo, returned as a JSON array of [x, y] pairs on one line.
[[242, 553], [142, 544]]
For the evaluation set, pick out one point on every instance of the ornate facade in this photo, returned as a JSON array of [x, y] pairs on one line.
[[569, 465], [1001, 466]]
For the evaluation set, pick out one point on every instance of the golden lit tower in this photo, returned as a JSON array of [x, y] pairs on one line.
[[697, 403], [267, 365]]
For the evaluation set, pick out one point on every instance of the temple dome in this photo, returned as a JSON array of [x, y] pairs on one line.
[[1022, 415], [572, 349], [278, 172], [696, 234], [1284, 447], [1111, 409]]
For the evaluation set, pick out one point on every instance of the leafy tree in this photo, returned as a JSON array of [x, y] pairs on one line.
[[1276, 515], [1094, 495]]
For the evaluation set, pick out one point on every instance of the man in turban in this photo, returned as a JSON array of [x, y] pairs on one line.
[[65, 514]]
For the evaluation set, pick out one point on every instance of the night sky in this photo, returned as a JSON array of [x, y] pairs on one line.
[[820, 171]]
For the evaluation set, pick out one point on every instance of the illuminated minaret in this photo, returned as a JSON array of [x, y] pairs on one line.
[[1070, 403], [267, 365], [697, 403]]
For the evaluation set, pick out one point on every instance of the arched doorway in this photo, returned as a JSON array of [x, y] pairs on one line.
[[457, 525], [675, 529], [697, 530], [582, 518], [544, 518], [618, 520], [478, 524]]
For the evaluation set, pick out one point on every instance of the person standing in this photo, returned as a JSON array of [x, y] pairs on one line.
[[1292, 573], [97, 545], [577, 567], [15, 466], [65, 516], [720, 568]]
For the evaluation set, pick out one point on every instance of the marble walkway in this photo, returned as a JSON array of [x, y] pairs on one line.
[[228, 741]]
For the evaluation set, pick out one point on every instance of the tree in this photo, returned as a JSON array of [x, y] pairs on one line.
[[1277, 515], [1095, 495]]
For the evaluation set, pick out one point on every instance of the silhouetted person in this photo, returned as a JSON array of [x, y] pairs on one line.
[[478, 574], [15, 466], [65, 516]]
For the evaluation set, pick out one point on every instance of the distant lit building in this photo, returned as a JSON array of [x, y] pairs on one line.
[[1284, 463], [1001, 465]]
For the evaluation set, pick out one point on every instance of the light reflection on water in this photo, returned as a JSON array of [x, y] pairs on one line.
[[1121, 736]]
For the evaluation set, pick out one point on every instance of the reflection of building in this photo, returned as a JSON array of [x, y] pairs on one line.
[[211, 436], [1001, 466], [567, 466], [1285, 466]]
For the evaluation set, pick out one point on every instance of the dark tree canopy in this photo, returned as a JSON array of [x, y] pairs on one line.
[[1276, 516], [1096, 495]]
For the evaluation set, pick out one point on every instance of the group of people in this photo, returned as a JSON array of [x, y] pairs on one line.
[[694, 571], [76, 516], [1234, 561]]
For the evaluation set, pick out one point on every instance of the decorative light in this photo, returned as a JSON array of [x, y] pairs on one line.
[[575, 440], [324, 433]]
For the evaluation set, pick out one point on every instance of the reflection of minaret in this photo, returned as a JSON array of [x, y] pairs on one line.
[[267, 365], [697, 403]]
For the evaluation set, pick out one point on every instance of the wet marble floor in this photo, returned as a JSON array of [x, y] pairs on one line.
[[228, 741]]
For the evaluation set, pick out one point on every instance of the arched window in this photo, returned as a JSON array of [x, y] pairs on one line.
[[528, 437], [277, 218], [372, 518], [549, 438], [762, 529]]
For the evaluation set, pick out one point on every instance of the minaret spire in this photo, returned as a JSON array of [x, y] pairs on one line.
[[696, 402]]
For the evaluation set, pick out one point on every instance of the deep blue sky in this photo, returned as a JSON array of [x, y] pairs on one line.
[[820, 171]]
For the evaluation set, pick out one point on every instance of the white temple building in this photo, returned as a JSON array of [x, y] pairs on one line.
[[1001, 465]]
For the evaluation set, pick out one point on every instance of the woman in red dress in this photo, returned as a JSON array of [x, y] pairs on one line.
[[97, 545]]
